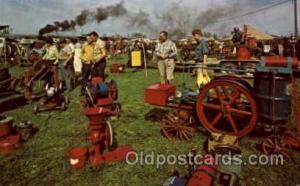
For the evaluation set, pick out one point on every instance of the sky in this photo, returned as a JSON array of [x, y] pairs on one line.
[[28, 16]]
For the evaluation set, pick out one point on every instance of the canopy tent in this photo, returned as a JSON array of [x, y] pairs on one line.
[[259, 35]]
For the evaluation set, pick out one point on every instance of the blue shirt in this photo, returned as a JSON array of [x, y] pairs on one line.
[[201, 50]]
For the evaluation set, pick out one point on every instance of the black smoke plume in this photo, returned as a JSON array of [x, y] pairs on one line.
[[178, 20], [98, 15]]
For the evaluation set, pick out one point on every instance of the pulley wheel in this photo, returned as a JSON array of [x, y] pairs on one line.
[[227, 106]]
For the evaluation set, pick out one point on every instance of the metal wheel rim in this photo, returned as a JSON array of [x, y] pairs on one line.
[[174, 127], [243, 90], [109, 134]]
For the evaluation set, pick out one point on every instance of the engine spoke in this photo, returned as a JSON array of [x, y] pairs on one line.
[[232, 123], [242, 112], [217, 119], [233, 97], [212, 106], [225, 91], [220, 97]]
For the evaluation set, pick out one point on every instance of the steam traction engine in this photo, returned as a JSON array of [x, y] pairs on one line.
[[230, 105]]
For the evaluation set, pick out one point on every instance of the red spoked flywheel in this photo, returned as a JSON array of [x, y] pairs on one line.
[[227, 106]]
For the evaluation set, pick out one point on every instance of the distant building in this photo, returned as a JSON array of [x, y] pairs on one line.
[[4, 29]]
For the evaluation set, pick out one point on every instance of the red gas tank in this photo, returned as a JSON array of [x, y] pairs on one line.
[[243, 53]]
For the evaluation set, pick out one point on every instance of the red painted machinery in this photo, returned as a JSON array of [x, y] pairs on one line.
[[229, 104], [117, 68], [40, 71], [205, 174], [52, 99], [101, 135], [11, 135], [10, 97], [100, 107], [8, 140], [243, 54], [101, 139], [103, 94]]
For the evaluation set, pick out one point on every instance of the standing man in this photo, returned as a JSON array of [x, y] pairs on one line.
[[86, 57], [50, 58], [51, 51], [165, 53], [71, 44], [201, 57], [77, 65], [65, 58], [99, 55]]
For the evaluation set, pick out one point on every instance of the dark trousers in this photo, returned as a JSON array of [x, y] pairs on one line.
[[96, 70], [66, 75], [86, 72], [99, 69]]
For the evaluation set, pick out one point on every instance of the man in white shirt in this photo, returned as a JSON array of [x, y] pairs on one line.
[[165, 53], [77, 65]]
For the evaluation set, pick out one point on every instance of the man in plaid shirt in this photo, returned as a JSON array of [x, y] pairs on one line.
[[165, 53]]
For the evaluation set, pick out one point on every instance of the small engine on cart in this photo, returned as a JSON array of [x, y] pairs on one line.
[[117, 68], [41, 70], [53, 99], [103, 94]]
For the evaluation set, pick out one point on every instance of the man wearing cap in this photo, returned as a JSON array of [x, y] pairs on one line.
[[99, 55]]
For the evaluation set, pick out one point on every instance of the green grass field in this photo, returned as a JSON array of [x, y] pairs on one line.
[[43, 160]]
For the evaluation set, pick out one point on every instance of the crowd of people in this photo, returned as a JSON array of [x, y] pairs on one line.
[[73, 58], [88, 59]]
